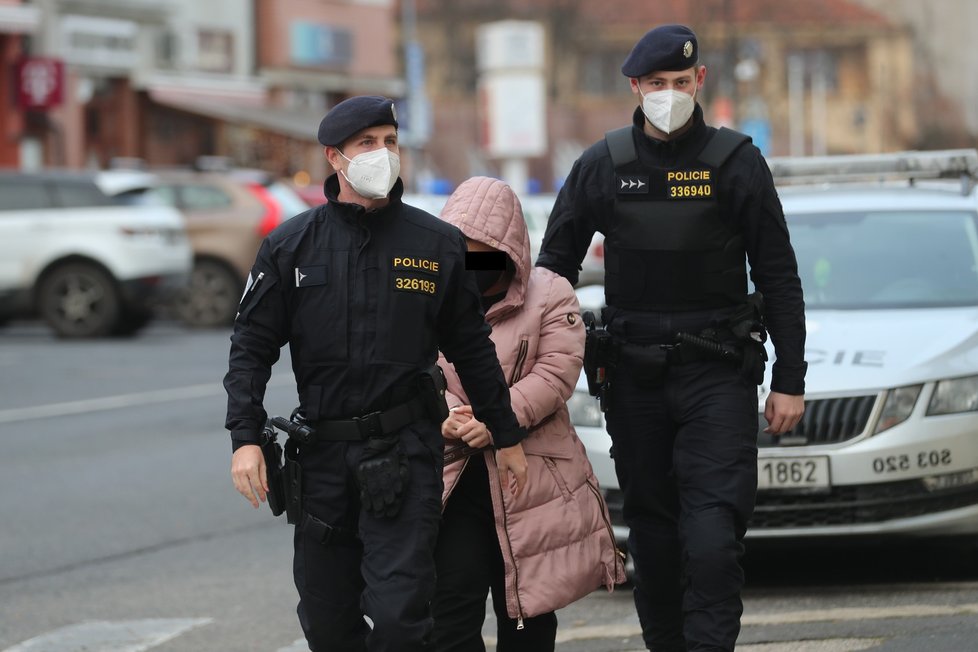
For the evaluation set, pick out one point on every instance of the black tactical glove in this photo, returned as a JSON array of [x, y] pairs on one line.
[[383, 476]]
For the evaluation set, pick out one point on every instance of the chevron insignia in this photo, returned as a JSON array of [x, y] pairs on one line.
[[632, 184]]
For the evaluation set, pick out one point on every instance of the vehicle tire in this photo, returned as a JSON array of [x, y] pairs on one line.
[[211, 300], [79, 300]]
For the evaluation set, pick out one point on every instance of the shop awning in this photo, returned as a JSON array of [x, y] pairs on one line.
[[19, 19], [301, 125]]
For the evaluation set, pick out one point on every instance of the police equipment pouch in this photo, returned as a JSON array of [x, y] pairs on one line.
[[383, 475], [432, 386], [271, 450], [645, 364]]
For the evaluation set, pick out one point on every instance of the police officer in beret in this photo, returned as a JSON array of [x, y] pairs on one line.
[[365, 290], [682, 205]]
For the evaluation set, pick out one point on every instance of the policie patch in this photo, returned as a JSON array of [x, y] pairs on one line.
[[415, 264], [689, 184], [632, 184], [406, 269], [413, 284]]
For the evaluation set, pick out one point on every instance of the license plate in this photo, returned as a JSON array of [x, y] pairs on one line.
[[794, 473]]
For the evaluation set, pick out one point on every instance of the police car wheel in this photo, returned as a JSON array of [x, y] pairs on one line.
[[211, 300], [79, 300]]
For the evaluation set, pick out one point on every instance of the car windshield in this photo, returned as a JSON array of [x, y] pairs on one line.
[[887, 259]]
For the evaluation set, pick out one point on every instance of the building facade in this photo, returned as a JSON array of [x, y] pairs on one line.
[[17, 21], [801, 77], [167, 81], [945, 67]]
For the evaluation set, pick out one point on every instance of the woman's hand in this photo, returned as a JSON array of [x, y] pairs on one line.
[[450, 426], [467, 428]]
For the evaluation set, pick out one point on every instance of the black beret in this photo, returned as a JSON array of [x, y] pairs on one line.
[[667, 47], [356, 114]]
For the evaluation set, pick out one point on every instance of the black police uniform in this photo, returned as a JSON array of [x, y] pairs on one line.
[[676, 233], [364, 299]]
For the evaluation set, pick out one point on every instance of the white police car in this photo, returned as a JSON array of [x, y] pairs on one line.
[[889, 441]]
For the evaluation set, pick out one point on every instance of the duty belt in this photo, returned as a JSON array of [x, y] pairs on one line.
[[374, 424]]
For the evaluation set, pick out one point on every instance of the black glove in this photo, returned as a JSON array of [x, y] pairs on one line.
[[383, 476]]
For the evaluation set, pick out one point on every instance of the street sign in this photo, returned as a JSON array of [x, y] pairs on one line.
[[40, 83]]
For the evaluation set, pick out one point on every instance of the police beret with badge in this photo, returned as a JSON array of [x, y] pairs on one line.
[[353, 115], [667, 47]]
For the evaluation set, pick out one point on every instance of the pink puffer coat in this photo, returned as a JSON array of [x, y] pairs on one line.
[[556, 537]]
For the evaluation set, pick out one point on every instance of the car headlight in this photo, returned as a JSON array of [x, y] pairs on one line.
[[897, 407], [584, 410], [954, 395]]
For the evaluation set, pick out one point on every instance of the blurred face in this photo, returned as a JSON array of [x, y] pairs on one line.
[[489, 280]]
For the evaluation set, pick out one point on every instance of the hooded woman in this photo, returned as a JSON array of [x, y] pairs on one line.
[[552, 544]]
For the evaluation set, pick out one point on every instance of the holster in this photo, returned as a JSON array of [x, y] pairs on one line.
[[747, 326], [292, 482], [739, 339], [432, 386], [284, 477], [271, 450], [600, 353]]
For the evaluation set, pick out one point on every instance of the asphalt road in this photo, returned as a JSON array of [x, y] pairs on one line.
[[120, 530]]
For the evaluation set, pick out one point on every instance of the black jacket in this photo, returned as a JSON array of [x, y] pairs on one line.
[[748, 203], [365, 301]]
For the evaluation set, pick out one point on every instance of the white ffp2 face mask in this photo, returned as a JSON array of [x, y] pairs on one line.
[[372, 174], [668, 110]]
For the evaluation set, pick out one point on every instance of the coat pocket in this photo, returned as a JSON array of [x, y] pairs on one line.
[[565, 491]]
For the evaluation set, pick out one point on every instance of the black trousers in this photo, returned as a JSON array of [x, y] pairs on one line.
[[470, 565], [390, 576], [685, 452]]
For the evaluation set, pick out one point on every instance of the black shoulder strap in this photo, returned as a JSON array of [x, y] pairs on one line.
[[621, 146], [723, 143]]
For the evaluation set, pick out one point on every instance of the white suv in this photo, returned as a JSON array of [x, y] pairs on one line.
[[86, 265], [889, 441]]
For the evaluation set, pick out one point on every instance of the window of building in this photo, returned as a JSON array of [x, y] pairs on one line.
[[601, 73]]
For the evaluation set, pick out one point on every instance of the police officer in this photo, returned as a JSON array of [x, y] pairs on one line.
[[681, 204], [365, 290]]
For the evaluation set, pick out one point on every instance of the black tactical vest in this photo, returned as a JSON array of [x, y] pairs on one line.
[[666, 247]]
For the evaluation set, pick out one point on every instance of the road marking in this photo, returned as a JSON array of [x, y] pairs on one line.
[[122, 401], [860, 613], [629, 630], [110, 636], [824, 645], [299, 645]]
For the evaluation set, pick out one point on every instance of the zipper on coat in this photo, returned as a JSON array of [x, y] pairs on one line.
[[520, 361], [357, 371], [516, 570], [619, 555]]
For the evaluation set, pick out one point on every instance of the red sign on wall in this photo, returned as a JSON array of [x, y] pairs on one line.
[[40, 83]]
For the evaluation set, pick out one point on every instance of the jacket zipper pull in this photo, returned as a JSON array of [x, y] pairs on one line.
[[519, 622]]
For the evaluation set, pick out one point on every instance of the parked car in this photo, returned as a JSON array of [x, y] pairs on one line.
[[228, 213], [536, 212], [87, 265], [889, 441]]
